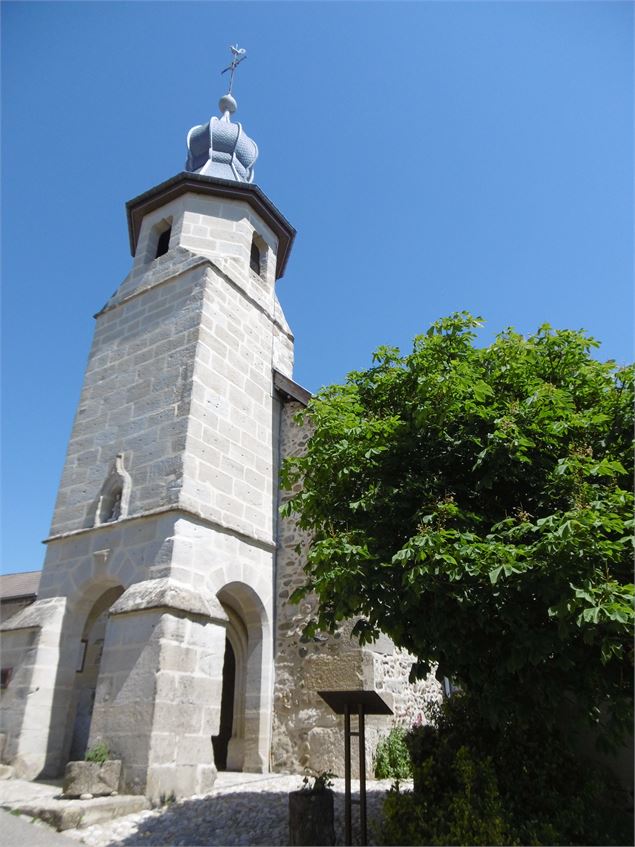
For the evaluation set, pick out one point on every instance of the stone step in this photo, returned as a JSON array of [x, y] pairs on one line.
[[74, 814], [6, 771]]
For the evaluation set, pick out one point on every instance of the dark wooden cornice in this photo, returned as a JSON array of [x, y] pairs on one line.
[[289, 389], [194, 183]]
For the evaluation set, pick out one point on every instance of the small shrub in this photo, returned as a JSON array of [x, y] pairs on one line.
[[519, 784], [403, 819], [99, 753], [460, 805], [392, 759], [318, 782]]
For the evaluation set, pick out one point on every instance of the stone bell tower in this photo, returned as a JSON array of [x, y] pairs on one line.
[[160, 561]]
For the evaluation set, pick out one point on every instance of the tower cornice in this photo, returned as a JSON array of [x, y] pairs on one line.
[[193, 183]]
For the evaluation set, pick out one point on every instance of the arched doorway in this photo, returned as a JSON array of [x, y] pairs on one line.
[[221, 741], [87, 670], [230, 742], [243, 740]]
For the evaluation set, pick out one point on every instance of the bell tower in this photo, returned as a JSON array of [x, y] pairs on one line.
[[160, 558]]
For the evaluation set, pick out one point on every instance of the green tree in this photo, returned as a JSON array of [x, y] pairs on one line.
[[475, 505]]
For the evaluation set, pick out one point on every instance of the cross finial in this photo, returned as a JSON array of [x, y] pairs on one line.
[[238, 54]]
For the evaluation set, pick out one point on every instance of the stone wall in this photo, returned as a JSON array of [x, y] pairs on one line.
[[31, 645], [306, 733], [391, 669], [229, 452], [18, 650]]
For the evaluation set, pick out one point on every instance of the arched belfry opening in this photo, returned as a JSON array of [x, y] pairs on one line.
[[159, 240], [254, 258], [258, 256], [89, 651], [163, 243]]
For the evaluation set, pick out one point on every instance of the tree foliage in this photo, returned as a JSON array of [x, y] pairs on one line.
[[475, 505]]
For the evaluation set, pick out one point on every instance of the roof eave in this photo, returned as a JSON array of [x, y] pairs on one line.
[[186, 182]]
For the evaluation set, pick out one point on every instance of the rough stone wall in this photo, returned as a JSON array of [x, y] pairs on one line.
[[87, 672], [306, 733], [391, 669]]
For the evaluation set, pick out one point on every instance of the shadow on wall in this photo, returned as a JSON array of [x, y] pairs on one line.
[[81, 644], [87, 671]]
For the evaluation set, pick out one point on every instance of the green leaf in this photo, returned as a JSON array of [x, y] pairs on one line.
[[482, 390], [494, 574]]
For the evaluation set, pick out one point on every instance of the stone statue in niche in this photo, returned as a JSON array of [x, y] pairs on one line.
[[115, 494], [115, 509]]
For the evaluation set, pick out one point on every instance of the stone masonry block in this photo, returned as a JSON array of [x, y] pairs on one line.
[[100, 780], [177, 717], [230, 505], [219, 480], [163, 749], [189, 749], [175, 657]]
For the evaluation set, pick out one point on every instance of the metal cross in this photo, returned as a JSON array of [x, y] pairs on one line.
[[238, 54]]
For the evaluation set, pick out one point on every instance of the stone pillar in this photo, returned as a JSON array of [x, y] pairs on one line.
[[158, 697], [33, 708]]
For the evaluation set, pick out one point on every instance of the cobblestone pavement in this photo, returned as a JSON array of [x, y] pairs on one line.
[[243, 809]]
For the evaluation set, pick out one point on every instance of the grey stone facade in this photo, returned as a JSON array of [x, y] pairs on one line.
[[162, 625]]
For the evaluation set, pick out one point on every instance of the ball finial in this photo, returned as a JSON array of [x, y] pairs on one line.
[[227, 104]]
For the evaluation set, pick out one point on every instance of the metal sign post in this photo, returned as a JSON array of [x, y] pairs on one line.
[[349, 703]]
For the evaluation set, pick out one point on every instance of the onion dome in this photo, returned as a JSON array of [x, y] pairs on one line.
[[222, 148]]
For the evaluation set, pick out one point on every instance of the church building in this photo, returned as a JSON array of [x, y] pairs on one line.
[[162, 625]]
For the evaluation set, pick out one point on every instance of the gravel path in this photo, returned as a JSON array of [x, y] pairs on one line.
[[243, 809]]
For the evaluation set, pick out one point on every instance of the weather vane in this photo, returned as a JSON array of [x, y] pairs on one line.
[[238, 54]]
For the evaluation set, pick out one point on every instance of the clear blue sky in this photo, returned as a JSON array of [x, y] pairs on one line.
[[432, 156]]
